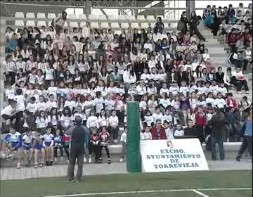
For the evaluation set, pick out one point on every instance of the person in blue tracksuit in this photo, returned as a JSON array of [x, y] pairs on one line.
[[13, 142], [247, 136], [38, 147]]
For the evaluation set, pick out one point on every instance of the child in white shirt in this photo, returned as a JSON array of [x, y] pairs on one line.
[[179, 131], [146, 135], [148, 118], [168, 130], [41, 122]]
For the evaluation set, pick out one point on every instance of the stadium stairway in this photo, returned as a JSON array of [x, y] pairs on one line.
[[218, 55], [219, 58]]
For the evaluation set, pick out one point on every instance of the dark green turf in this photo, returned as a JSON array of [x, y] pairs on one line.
[[110, 183]]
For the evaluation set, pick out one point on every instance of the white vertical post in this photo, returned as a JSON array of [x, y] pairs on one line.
[[2, 58]]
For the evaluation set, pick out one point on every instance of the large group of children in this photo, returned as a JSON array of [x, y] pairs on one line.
[[42, 149], [53, 77]]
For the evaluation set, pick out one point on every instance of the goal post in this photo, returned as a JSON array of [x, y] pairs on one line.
[[133, 137]]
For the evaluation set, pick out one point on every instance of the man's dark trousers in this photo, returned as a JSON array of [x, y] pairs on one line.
[[75, 156]]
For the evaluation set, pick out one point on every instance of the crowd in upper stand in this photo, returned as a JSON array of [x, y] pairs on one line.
[[234, 27]]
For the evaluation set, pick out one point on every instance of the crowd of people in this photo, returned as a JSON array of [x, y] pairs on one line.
[[54, 75], [234, 27]]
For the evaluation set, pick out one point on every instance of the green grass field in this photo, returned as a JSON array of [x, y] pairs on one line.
[[180, 184]]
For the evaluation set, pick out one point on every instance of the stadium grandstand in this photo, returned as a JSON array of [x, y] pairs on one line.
[[181, 60]]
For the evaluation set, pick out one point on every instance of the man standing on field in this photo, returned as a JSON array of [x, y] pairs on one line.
[[79, 133], [217, 124]]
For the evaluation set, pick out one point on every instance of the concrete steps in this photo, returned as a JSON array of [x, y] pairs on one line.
[[231, 149], [219, 57]]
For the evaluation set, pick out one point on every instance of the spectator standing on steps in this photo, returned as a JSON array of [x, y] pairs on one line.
[[59, 22], [194, 22], [77, 149], [182, 23], [217, 124], [159, 26]]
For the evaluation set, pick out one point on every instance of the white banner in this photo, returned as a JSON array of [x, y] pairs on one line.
[[172, 155]]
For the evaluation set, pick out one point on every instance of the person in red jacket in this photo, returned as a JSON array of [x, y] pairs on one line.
[[231, 102], [95, 145], [200, 119], [104, 138], [158, 132], [66, 140]]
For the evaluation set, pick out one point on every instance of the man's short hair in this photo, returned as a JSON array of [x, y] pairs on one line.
[[78, 120]]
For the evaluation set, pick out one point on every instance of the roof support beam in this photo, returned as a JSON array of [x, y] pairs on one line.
[[102, 10], [149, 5]]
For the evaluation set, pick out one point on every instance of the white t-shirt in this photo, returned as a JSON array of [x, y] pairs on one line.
[[98, 104], [8, 110], [113, 121], [66, 121], [179, 133], [109, 104], [119, 105], [70, 104], [141, 90], [48, 138], [31, 107], [49, 74], [92, 122], [164, 102], [148, 120], [143, 105], [53, 91], [20, 102], [123, 137], [41, 106], [41, 122], [145, 76], [10, 93], [32, 78], [219, 102], [169, 133], [54, 119], [51, 104], [21, 65], [167, 118], [146, 136], [103, 121], [157, 116]]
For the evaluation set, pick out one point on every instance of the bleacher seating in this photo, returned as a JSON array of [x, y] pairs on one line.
[[183, 110], [97, 21]]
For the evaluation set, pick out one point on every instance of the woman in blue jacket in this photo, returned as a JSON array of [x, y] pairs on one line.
[[12, 43], [247, 136]]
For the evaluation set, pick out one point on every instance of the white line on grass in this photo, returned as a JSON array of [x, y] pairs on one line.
[[200, 193], [152, 191]]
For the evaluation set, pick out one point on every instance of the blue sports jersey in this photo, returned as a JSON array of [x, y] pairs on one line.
[[27, 142], [14, 139], [38, 143], [48, 140], [57, 141]]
